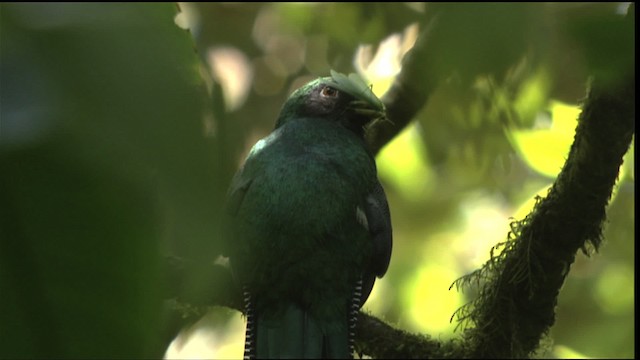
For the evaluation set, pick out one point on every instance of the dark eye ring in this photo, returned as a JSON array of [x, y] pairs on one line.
[[329, 92]]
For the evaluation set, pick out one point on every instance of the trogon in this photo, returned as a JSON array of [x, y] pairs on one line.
[[310, 223]]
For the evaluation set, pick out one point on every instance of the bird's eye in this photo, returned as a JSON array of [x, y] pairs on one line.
[[329, 92]]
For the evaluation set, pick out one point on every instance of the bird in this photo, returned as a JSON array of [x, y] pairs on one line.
[[310, 223]]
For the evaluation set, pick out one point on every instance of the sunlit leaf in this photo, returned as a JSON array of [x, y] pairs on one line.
[[402, 163], [355, 85], [430, 303], [546, 150], [532, 96]]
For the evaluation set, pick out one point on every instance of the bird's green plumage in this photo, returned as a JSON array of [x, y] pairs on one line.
[[302, 198], [299, 248]]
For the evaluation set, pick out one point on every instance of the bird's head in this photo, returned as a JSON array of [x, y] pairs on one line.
[[348, 101]]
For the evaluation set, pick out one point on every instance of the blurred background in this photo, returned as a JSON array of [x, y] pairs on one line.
[[122, 124]]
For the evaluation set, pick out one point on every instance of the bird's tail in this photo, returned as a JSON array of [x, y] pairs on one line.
[[296, 334], [250, 334]]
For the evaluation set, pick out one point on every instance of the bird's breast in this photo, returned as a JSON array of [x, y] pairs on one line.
[[309, 184]]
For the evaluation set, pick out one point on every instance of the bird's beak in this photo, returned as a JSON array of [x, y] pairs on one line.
[[366, 113]]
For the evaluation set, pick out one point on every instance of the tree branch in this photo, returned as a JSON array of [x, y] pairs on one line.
[[373, 336], [409, 92], [519, 287]]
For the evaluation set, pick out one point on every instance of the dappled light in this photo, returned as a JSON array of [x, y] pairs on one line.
[[500, 133], [545, 149], [109, 166], [428, 300], [402, 164], [381, 68], [232, 69]]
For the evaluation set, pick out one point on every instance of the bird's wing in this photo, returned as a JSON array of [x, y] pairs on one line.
[[379, 221], [237, 190], [240, 184], [376, 209]]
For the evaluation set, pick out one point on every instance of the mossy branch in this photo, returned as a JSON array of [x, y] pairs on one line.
[[518, 289]]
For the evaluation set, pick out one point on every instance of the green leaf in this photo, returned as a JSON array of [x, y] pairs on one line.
[[546, 150], [102, 137], [356, 86]]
